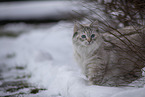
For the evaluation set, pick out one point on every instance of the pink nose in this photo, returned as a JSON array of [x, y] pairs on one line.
[[89, 39]]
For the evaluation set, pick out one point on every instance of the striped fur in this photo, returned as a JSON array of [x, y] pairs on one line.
[[105, 60]]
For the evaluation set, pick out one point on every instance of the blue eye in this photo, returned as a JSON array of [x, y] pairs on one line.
[[83, 36], [93, 35]]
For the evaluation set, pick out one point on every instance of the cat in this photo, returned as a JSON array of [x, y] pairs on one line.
[[110, 58]]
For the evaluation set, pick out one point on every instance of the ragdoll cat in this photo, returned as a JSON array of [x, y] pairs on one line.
[[109, 58]]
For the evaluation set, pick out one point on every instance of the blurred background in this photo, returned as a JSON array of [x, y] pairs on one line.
[[25, 30], [35, 11], [23, 12]]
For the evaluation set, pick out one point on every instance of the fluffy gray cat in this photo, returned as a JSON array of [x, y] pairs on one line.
[[109, 58]]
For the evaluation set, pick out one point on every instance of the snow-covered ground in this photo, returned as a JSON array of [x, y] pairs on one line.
[[46, 52]]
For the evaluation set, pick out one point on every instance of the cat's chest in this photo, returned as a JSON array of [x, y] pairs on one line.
[[87, 52]]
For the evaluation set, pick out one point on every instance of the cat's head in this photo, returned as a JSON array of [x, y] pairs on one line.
[[85, 35]]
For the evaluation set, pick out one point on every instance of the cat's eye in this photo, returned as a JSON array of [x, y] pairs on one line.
[[83, 36], [93, 35]]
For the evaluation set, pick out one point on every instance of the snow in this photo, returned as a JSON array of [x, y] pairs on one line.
[[47, 52], [132, 93]]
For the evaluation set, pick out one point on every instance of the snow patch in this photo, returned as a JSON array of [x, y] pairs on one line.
[[48, 55]]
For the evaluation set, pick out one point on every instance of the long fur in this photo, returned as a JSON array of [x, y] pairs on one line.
[[109, 60]]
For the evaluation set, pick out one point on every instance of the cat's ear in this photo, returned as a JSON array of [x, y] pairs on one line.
[[77, 26], [94, 24]]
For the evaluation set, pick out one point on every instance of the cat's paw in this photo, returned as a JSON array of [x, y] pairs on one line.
[[95, 79]]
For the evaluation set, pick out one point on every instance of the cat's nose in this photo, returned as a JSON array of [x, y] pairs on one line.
[[89, 40]]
